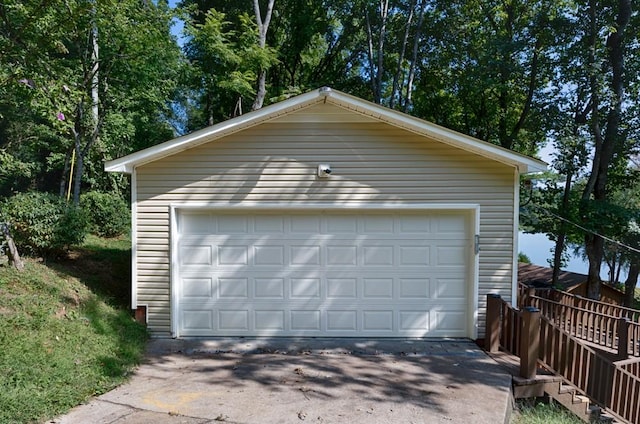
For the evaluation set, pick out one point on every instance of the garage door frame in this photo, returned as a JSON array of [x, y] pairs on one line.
[[473, 211]]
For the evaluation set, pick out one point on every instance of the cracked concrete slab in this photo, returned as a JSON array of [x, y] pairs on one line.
[[307, 380]]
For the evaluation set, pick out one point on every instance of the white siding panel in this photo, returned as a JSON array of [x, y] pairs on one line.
[[277, 162]]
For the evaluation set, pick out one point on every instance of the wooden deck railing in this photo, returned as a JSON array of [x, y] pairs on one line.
[[535, 338], [612, 327], [579, 302]]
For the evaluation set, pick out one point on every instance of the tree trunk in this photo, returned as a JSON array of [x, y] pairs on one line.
[[263, 27], [630, 284], [77, 179], [14, 256], [605, 145], [395, 91], [557, 257], [414, 58], [65, 172], [377, 61], [562, 235]]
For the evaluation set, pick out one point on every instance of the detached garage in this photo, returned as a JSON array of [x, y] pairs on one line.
[[322, 216]]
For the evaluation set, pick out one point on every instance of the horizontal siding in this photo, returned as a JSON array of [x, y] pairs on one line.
[[277, 162]]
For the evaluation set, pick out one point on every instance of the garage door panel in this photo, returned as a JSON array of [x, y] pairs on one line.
[[449, 321], [271, 320], [268, 255], [269, 288], [414, 255], [197, 320], [449, 288], [197, 288], [414, 288], [342, 255], [233, 288], [338, 274], [414, 320], [196, 255], [342, 320], [305, 319], [234, 320], [337, 286], [233, 255], [201, 223], [269, 225], [339, 225], [305, 288], [305, 255], [377, 288], [378, 256], [379, 321], [451, 255], [342, 288], [231, 224]]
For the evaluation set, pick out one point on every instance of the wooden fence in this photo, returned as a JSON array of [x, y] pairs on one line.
[[537, 339]]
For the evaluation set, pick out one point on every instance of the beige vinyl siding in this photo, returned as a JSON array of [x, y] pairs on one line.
[[277, 161]]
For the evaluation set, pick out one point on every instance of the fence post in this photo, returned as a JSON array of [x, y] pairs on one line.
[[492, 325], [529, 342], [623, 338]]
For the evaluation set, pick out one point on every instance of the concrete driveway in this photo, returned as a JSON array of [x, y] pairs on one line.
[[307, 381]]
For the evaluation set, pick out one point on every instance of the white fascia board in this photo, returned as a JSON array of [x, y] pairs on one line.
[[525, 164], [126, 164]]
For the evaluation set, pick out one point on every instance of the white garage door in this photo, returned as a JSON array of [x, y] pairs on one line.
[[349, 274]]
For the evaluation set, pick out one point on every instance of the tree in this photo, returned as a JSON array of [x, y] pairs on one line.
[[485, 67], [79, 102], [607, 98]]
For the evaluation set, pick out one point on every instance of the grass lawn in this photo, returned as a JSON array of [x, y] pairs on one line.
[[529, 412], [65, 330]]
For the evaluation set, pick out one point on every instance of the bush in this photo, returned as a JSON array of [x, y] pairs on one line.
[[43, 224], [109, 214]]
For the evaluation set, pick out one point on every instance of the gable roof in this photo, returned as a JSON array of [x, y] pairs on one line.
[[524, 164]]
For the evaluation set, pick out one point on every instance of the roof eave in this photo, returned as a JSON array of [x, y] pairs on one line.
[[524, 164], [127, 163]]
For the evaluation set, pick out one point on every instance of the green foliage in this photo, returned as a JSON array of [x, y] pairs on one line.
[[14, 173], [109, 214], [43, 224], [62, 341], [46, 87], [523, 258]]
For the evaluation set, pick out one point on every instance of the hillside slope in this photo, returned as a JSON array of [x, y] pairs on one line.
[[65, 330]]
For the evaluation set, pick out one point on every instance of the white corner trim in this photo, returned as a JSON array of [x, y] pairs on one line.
[[475, 276], [134, 240], [516, 227], [174, 271]]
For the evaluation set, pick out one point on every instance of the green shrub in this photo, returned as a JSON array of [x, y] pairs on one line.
[[109, 214], [43, 224]]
